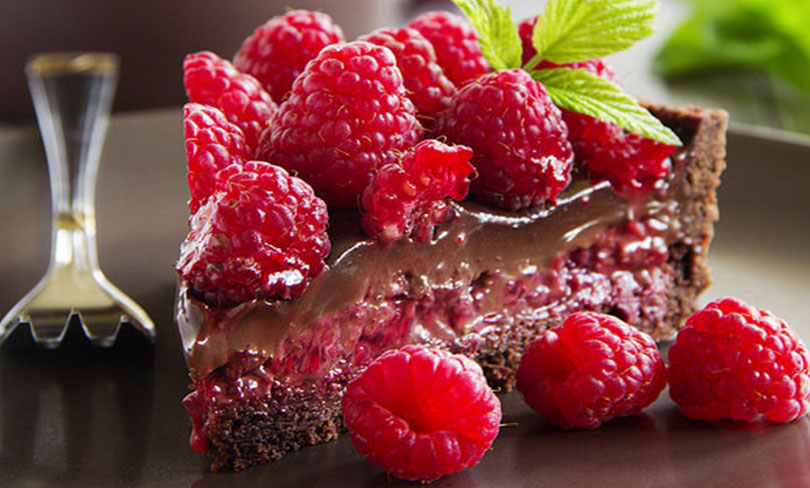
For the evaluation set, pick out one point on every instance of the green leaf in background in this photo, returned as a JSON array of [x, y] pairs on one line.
[[577, 30], [579, 91], [766, 35], [497, 33]]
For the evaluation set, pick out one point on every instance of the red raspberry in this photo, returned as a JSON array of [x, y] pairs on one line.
[[734, 361], [591, 369], [408, 197], [277, 51], [425, 82], [214, 81], [212, 143], [525, 28], [632, 163], [346, 116], [518, 137], [421, 413], [455, 43], [261, 235]]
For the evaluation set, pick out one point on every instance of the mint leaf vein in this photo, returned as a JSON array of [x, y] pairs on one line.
[[580, 91], [577, 30]]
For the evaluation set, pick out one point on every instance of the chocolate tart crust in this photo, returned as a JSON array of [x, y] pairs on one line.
[[257, 430]]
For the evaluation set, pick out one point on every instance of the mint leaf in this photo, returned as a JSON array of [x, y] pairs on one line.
[[497, 33], [579, 91], [577, 30]]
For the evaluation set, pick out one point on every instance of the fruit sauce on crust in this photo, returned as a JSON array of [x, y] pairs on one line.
[[485, 285]]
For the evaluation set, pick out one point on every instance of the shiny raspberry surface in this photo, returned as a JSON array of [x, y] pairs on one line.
[[455, 43], [425, 82], [277, 52], [214, 81], [734, 361], [589, 370], [408, 197], [261, 234], [421, 413], [212, 143], [346, 116], [633, 164], [519, 140]]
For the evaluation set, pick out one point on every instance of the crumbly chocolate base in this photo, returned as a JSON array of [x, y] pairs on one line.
[[259, 429]]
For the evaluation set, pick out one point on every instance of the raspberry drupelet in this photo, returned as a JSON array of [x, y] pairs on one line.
[[455, 43], [408, 197], [589, 370], [214, 81], [421, 413], [425, 82], [277, 52], [734, 361], [262, 234], [346, 116], [519, 140], [212, 143]]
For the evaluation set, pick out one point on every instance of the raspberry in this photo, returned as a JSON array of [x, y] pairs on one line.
[[518, 137], [346, 116], [214, 81], [277, 51], [212, 143], [407, 197], [261, 235], [591, 369], [425, 82], [421, 413], [733, 361], [525, 28], [632, 163], [455, 43]]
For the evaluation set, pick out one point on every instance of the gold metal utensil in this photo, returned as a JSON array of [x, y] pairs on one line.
[[72, 94]]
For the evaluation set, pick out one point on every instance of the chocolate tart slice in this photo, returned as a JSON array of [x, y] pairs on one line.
[[269, 375]]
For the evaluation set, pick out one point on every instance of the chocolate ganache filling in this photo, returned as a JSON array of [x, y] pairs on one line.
[[483, 268]]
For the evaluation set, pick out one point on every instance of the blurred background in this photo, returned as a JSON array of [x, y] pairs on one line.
[[751, 57]]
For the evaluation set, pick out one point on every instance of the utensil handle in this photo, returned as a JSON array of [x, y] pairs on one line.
[[72, 94]]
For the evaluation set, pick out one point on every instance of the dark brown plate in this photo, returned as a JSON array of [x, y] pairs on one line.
[[86, 417]]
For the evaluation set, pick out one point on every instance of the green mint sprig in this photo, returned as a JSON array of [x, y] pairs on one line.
[[569, 31], [578, 30]]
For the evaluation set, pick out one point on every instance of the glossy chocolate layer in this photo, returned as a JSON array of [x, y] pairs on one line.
[[479, 241]]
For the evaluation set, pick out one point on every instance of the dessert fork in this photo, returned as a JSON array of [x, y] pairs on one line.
[[72, 94]]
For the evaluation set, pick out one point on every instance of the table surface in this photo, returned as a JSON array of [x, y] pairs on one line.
[[89, 417]]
